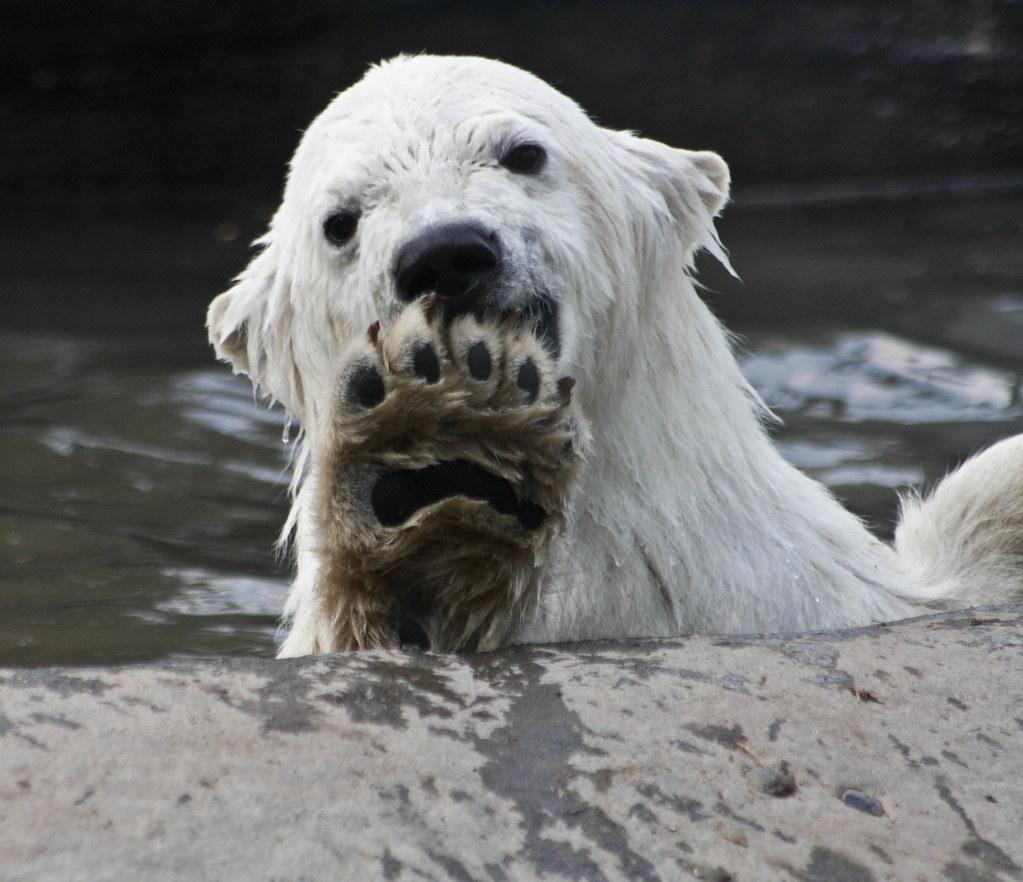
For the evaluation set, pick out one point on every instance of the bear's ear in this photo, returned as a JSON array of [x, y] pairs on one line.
[[677, 173], [713, 180], [234, 319], [692, 185]]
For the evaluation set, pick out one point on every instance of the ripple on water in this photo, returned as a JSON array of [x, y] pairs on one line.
[[860, 376], [204, 593]]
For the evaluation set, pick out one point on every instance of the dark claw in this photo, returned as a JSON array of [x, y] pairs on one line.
[[430, 306], [365, 387], [478, 361], [373, 332], [565, 387], [528, 380], [425, 363]]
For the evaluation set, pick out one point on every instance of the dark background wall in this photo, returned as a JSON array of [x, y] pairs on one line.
[[178, 101]]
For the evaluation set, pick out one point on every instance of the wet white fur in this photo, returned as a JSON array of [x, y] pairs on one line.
[[686, 519]]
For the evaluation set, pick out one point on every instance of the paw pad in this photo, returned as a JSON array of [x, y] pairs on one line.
[[528, 380], [365, 387], [478, 361], [425, 363]]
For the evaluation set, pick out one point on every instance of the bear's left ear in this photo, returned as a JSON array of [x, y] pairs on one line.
[[235, 318], [250, 326], [692, 185]]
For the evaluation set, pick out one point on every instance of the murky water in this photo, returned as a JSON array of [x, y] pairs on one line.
[[142, 487]]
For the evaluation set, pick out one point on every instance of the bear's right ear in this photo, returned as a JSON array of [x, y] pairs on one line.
[[235, 318], [690, 187]]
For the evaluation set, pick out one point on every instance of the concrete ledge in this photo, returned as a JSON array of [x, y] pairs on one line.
[[889, 753]]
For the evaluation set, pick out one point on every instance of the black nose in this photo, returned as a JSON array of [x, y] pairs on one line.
[[455, 260]]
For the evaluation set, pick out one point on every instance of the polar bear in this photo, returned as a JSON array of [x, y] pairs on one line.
[[521, 424]]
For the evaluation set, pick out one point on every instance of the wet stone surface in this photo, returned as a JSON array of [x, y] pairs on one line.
[[774, 782], [638, 760], [862, 802]]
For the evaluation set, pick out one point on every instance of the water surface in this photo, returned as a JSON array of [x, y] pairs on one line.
[[142, 486]]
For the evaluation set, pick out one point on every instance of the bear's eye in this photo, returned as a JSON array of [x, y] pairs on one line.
[[340, 226], [524, 159]]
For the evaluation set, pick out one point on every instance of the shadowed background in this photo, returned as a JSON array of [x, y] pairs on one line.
[[877, 226], [179, 101]]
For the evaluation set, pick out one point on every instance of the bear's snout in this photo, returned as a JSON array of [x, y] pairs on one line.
[[460, 261]]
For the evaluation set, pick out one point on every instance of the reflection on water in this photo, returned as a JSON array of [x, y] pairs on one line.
[[869, 413], [142, 486], [855, 377], [138, 508]]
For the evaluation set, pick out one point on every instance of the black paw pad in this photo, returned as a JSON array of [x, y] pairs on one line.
[[365, 387], [425, 363], [397, 496], [478, 361], [530, 515], [528, 380]]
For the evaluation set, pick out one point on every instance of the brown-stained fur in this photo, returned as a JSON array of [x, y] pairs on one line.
[[474, 569]]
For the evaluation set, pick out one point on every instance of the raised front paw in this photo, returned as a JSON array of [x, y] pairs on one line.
[[444, 477]]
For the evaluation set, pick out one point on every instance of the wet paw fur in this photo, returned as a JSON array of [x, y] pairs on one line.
[[446, 474]]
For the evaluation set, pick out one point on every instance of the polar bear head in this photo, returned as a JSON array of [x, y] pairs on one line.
[[478, 180]]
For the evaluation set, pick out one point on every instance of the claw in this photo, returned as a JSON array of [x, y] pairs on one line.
[[430, 307], [565, 386], [373, 332]]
